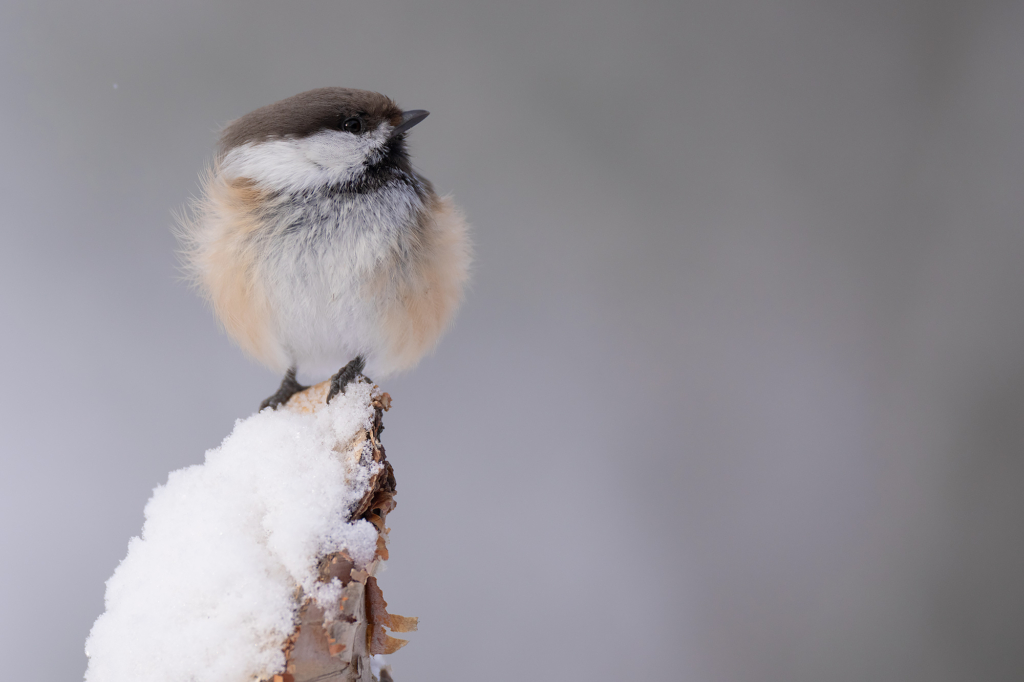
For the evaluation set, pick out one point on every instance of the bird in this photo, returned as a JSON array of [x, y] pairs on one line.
[[319, 246]]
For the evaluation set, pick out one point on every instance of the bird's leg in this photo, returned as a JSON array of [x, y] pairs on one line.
[[345, 375], [289, 387]]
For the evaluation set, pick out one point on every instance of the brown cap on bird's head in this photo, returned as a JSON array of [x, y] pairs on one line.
[[313, 111]]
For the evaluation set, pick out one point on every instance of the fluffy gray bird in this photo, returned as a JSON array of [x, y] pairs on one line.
[[318, 244]]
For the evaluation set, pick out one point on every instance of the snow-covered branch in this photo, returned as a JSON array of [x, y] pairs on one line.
[[258, 564]]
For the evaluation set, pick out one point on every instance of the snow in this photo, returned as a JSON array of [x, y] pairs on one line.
[[378, 663], [207, 592]]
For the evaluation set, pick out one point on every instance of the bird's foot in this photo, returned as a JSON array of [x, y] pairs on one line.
[[345, 375], [289, 387]]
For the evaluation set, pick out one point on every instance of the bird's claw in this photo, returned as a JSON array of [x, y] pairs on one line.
[[345, 375], [289, 387]]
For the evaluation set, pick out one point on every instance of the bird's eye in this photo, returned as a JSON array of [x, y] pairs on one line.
[[352, 125]]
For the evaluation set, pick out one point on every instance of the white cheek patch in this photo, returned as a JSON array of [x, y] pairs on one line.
[[325, 158]]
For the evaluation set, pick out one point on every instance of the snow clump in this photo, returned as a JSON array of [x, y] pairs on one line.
[[207, 592]]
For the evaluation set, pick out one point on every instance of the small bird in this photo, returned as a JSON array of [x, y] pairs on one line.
[[319, 246]]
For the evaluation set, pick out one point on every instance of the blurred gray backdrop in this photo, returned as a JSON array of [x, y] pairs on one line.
[[738, 391]]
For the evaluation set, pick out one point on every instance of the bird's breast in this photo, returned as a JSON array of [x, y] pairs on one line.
[[331, 235], [326, 260]]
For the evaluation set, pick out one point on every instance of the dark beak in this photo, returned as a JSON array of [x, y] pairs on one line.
[[409, 119]]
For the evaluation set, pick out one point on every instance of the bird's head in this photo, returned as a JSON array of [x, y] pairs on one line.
[[327, 137]]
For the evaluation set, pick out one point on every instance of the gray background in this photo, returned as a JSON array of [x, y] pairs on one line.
[[737, 393]]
